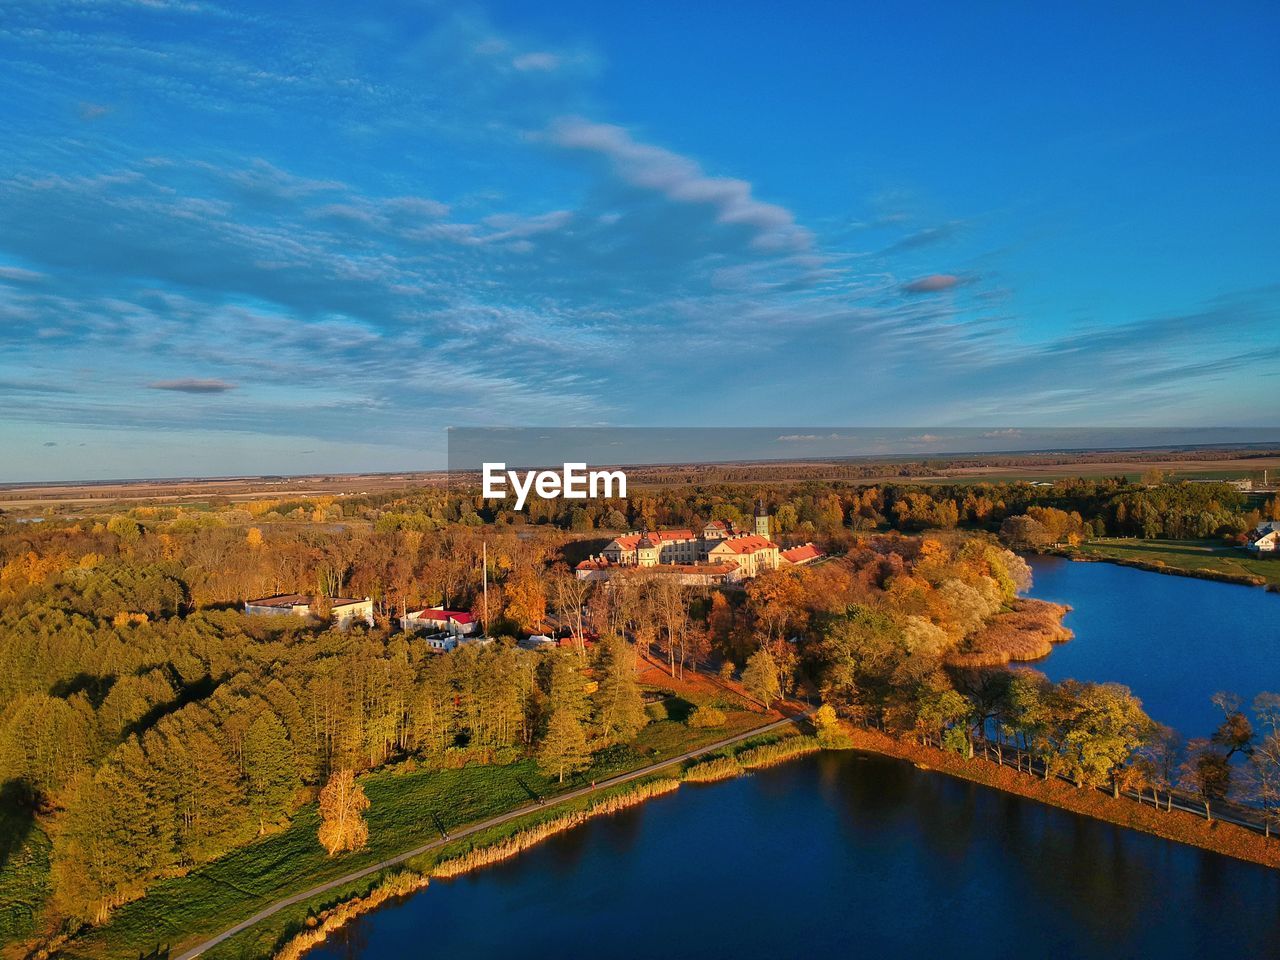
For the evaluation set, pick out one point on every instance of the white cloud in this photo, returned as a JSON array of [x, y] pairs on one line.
[[681, 179], [538, 60]]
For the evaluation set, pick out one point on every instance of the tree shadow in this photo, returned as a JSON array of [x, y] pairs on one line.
[[17, 818], [678, 708], [199, 690], [94, 687]]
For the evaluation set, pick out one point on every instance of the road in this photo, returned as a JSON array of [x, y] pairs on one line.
[[479, 827]]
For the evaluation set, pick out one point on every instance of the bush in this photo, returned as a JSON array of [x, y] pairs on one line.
[[657, 711], [706, 717]]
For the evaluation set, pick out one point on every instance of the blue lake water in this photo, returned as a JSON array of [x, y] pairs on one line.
[[838, 855], [1174, 641]]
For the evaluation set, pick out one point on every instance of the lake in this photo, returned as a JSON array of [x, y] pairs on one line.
[[1174, 641], [844, 855]]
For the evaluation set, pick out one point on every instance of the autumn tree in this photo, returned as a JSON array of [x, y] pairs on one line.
[[1159, 760], [1235, 733], [107, 846], [619, 706], [1205, 773], [570, 595], [760, 678], [564, 747], [342, 806], [269, 769], [1024, 533]]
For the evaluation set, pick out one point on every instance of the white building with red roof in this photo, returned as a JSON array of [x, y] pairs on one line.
[[720, 553], [456, 623], [752, 553], [805, 553]]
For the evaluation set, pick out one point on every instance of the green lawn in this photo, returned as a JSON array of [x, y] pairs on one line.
[[1194, 555], [405, 809]]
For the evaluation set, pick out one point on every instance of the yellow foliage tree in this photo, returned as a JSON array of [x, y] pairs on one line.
[[342, 806]]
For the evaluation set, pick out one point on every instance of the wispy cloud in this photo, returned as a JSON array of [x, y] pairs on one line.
[[189, 385], [681, 179], [539, 60], [933, 283]]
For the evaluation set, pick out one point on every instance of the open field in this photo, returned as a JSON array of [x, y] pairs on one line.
[[408, 808], [29, 499], [35, 497], [1193, 556]]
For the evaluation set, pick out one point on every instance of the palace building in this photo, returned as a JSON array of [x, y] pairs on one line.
[[720, 553]]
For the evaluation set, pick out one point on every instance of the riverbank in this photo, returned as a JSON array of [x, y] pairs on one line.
[[412, 805], [263, 933], [1200, 559], [323, 925], [731, 761]]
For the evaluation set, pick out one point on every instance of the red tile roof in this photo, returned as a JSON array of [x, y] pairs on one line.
[[628, 541], [750, 543], [802, 554], [436, 613]]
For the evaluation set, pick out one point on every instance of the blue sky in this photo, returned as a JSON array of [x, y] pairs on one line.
[[296, 237]]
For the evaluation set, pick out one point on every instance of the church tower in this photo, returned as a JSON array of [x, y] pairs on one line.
[[762, 519], [646, 551]]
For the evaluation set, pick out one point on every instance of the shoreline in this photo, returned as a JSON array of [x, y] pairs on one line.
[[1177, 826], [1156, 566]]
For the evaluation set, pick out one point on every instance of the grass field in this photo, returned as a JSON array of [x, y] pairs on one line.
[[406, 810], [1195, 556]]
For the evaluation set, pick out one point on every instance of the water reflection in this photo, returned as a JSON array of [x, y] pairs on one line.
[[841, 855]]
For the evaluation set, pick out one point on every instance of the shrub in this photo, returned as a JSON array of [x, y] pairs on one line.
[[657, 711], [707, 716]]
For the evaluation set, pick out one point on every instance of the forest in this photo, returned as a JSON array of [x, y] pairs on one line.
[[147, 726]]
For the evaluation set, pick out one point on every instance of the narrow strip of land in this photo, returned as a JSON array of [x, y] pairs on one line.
[[482, 826]]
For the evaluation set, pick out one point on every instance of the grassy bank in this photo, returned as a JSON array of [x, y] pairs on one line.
[[1207, 559], [408, 808], [318, 927], [308, 923]]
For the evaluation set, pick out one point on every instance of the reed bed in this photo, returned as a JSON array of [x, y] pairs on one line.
[[717, 768], [510, 846], [325, 923], [766, 755], [1027, 632]]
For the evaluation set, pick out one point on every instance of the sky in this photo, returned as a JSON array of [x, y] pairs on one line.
[[307, 237]]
